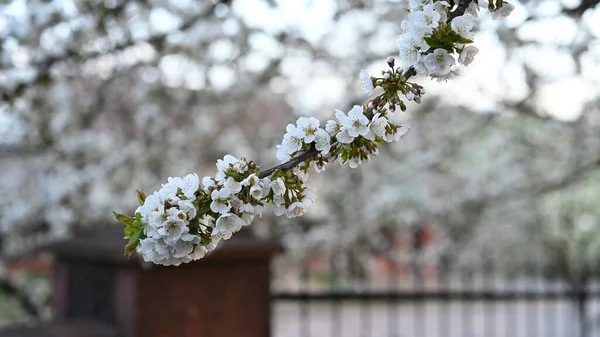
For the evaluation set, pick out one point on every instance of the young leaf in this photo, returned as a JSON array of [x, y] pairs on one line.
[[124, 219], [141, 197]]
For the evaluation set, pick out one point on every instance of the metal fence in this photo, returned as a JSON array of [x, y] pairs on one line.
[[402, 304]]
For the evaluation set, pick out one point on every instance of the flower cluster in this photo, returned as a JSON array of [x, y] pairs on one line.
[[300, 136], [430, 42], [187, 217]]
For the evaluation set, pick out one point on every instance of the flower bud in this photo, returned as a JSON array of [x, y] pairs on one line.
[[387, 76], [390, 61], [402, 106]]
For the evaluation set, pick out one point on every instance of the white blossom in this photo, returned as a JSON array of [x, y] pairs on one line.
[[366, 82], [296, 209], [503, 11], [378, 124], [220, 201], [354, 162], [398, 135], [247, 217], [207, 183], [463, 25], [153, 250], [467, 55], [153, 208], [245, 207], [226, 225], [293, 139], [473, 9], [282, 154], [332, 127], [446, 77], [416, 4], [172, 229], [278, 187], [233, 186], [256, 192], [322, 141], [439, 62], [187, 206], [199, 252], [310, 195], [251, 180], [266, 182], [240, 166], [409, 55], [356, 122], [344, 136], [223, 165], [307, 126], [183, 248], [189, 185], [442, 8], [415, 41], [169, 190], [426, 19]]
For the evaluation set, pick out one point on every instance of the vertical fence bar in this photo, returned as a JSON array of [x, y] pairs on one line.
[[365, 310], [490, 312], [556, 286], [336, 323], [443, 274], [304, 319], [466, 306], [418, 312], [542, 291], [393, 314]]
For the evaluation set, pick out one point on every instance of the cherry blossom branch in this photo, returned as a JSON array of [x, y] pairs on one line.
[[410, 72], [188, 216], [291, 163]]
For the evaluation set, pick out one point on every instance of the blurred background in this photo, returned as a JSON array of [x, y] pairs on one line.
[[484, 221]]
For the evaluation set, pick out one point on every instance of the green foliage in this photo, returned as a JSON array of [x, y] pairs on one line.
[[134, 229], [124, 219], [445, 38], [141, 197]]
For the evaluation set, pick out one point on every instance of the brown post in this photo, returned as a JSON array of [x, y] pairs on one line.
[[224, 294]]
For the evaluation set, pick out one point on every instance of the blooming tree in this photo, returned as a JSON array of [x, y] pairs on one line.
[[101, 98], [188, 216]]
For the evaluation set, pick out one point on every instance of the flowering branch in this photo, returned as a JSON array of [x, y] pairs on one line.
[[291, 163], [188, 216]]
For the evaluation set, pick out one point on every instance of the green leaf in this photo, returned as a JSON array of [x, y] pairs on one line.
[[463, 40], [141, 197], [134, 235], [130, 247], [124, 219]]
